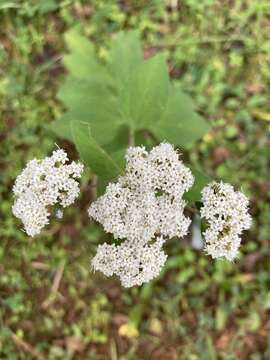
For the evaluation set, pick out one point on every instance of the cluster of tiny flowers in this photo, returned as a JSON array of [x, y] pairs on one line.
[[43, 184], [134, 264], [226, 213], [144, 208]]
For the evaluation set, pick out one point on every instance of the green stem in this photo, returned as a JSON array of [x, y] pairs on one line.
[[131, 137], [93, 187], [192, 209]]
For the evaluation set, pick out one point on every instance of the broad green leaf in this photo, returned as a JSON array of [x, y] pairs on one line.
[[105, 132], [125, 56], [89, 103], [99, 161], [84, 92], [124, 93], [146, 93], [82, 60], [61, 126], [120, 140], [119, 157], [200, 181], [92, 103], [179, 123]]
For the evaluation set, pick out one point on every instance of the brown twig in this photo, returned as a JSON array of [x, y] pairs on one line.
[[57, 278], [23, 345], [55, 286], [39, 265]]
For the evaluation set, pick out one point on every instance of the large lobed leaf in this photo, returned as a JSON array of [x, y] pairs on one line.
[[126, 92]]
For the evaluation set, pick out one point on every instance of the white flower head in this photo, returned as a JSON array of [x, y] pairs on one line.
[[144, 205], [133, 264], [43, 184], [226, 212]]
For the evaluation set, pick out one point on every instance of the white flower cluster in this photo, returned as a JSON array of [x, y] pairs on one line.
[[144, 208], [226, 212], [135, 264], [42, 184]]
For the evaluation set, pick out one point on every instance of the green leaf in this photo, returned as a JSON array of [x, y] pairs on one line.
[[99, 161], [211, 353], [179, 123], [201, 180], [89, 102], [61, 126], [221, 318], [82, 60], [135, 314], [124, 93], [125, 56], [85, 92], [146, 93]]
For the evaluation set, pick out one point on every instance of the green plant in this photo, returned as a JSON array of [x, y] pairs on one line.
[[219, 54], [120, 101]]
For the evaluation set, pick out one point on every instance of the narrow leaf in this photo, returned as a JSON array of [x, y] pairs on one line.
[[92, 153]]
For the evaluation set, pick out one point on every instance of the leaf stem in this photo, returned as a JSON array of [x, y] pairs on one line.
[[192, 209], [149, 135], [93, 185], [131, 137]]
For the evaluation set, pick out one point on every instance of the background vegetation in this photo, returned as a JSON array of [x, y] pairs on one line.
[[52, 307]]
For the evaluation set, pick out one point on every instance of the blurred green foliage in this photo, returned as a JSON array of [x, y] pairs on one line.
[[219, 53]]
